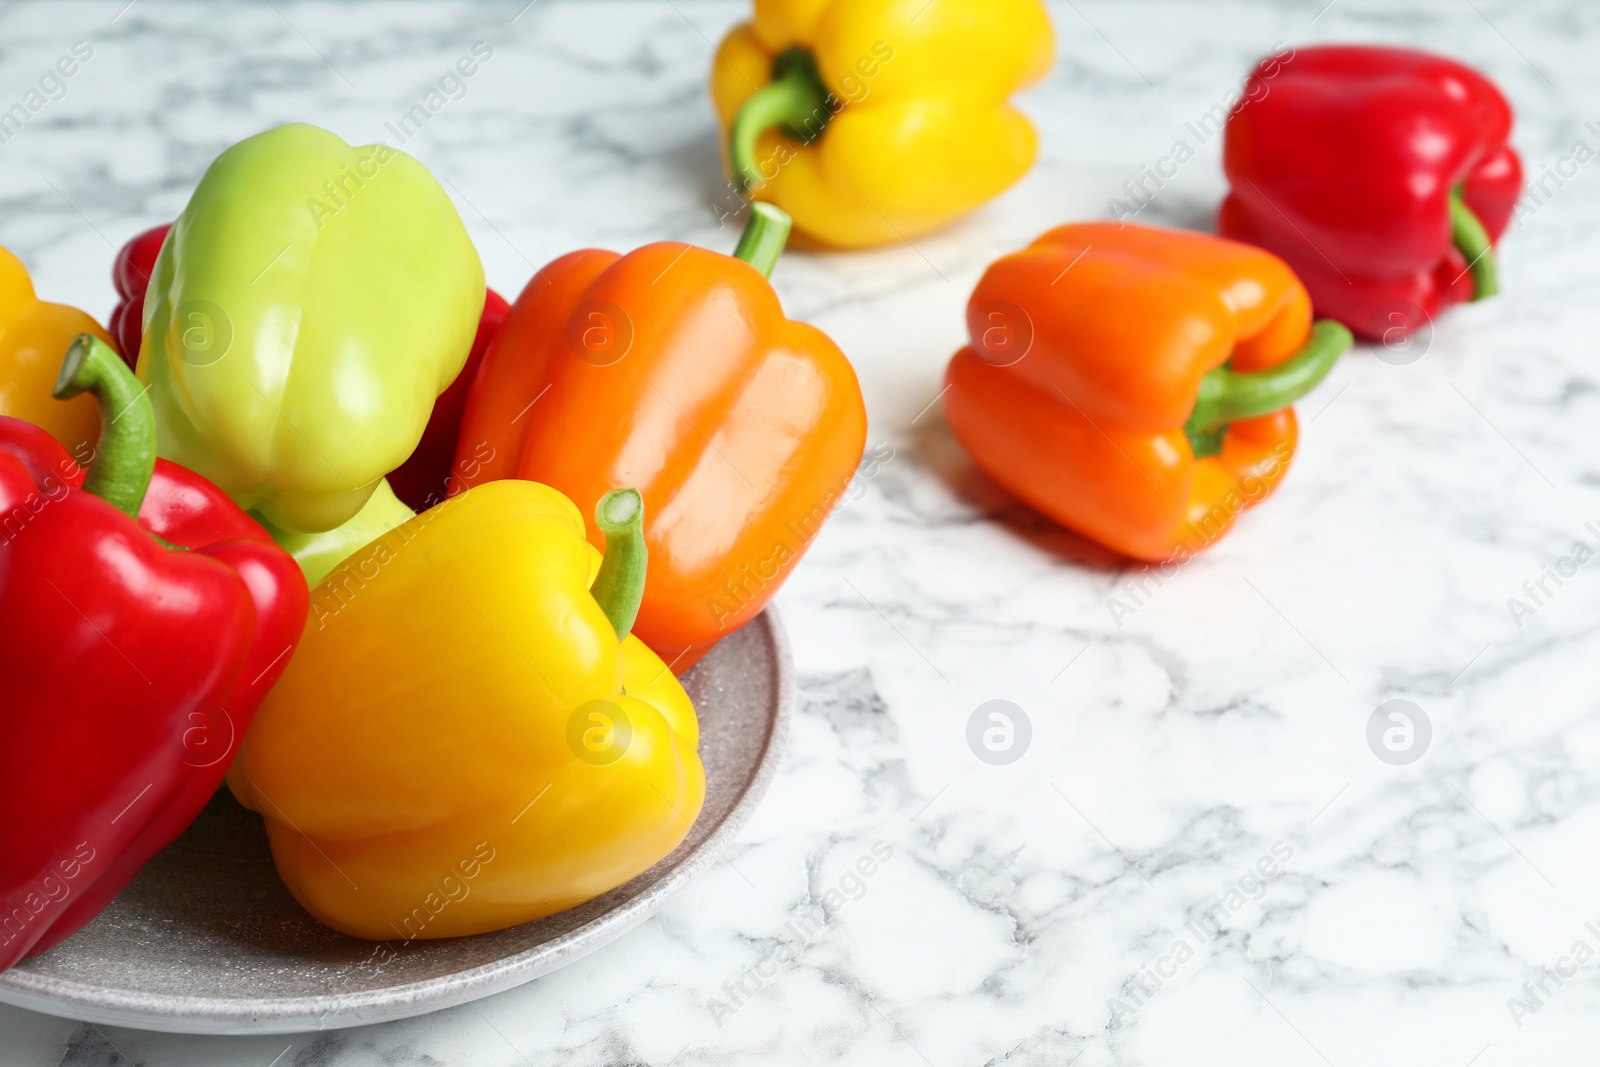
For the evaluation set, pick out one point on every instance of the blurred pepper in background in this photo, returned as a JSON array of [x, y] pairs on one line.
[[1134, 384], [871, 121], [1382, 176], [130, 275]]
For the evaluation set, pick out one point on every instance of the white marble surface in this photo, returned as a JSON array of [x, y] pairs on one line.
[[1170, 754]]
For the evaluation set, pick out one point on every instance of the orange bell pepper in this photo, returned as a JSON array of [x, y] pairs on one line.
[[33, 335], [673, 370], [1134, 384]]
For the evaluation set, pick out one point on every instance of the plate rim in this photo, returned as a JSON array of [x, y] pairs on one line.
[[74, 998]]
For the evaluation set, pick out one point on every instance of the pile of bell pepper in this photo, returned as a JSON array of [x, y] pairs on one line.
[[1136, 385], [414, 569]]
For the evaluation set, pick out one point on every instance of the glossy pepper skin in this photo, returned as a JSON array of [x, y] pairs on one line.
[[317, 552], [873, 121], [311, 302], [130, 275], [33, 334], [672, 369], [467, 738], [132, 668], [1380, 175], [1133, 383], [424, 479]]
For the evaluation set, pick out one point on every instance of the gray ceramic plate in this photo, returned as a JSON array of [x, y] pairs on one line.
[[207, 940]]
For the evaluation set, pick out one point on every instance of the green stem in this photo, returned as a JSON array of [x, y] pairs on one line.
[[796, 98], [1473, 241], [619, 587], [1226, 395], [125, 456], [766, 231]]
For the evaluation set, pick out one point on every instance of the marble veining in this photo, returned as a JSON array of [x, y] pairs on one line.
[[1199, 859]]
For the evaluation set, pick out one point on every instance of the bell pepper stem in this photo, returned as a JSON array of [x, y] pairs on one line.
[[796, 98], [1475, 246], [1227, 395], [766, 231], [619, 587], [125, 456]]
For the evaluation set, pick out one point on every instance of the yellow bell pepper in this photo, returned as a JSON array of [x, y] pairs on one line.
[[33, 335], [872, 121], [467, 737]]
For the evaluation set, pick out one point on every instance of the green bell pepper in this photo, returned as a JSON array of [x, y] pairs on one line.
[[307, 308], [320, 552]]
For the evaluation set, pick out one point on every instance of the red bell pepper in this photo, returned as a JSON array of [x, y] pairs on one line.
[[424, 480], [131, 275], [134, 653], [1381, 175]]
